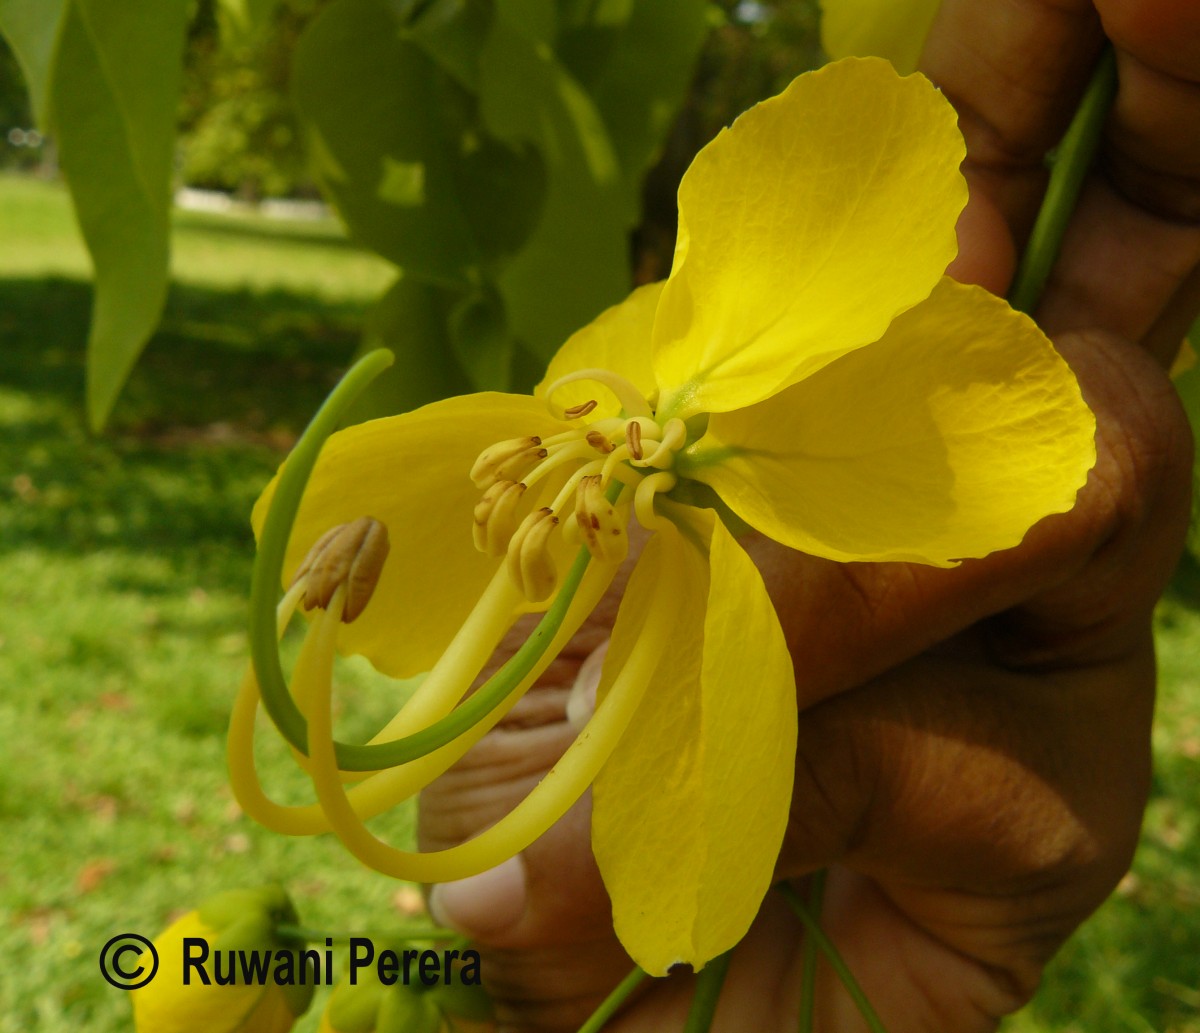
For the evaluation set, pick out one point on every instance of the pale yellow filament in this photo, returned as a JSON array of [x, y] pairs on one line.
[[548, 801], [384, 789]]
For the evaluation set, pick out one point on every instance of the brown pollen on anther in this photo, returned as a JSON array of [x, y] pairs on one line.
[[350, 554], [599, 442], [633, 438], [582, 409]]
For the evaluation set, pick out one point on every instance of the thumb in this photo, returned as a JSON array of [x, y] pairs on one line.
[[541, 920]]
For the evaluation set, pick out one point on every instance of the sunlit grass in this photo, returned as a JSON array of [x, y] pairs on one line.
[[124, 564]]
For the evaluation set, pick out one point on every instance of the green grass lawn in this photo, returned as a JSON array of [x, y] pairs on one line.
[[124, 566]]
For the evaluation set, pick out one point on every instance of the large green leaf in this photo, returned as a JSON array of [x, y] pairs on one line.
[[398, 146], [576, 261], [241, 18], [113, 93], [640, 87], [481, 341], [412, 320], [452, 32], [31, 28]]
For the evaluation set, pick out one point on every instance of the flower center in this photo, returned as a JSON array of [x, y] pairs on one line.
[[612, 463]]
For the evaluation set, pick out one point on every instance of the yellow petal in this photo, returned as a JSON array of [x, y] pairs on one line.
[[165, 1005], [893, 29], [618, 340], [803, 230], [690, 810], [947, 439], [411, 472]]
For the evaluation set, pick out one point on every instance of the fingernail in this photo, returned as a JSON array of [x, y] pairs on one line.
[[485, 903], [581, 703]]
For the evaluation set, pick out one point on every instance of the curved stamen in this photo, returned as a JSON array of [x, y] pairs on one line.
[[568, 489], [578, 449], [548, 801], [674, 434], [643, 499], [631, 399], [472, 719]]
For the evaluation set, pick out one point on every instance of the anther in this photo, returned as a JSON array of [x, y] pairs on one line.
[[599, 442], [506, 460], [496, 517], [530, 565], [597, 521], [582, 409], [350, 554], [633, 438], [674, 434]]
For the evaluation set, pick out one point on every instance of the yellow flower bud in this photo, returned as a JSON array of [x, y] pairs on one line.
[[187, 995]]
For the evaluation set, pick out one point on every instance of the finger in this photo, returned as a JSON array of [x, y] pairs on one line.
[[542, 920], [1154, 138], [846, 623], [1131, 261], [1015, 71], [993, 787]]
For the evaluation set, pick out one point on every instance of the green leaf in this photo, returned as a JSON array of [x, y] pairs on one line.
[[575, 263], [641, 86], [400, 150], [411, 320], [113, 94], [243, 17], [405, 1009], [452, 32], [481, 341], [31, 28]]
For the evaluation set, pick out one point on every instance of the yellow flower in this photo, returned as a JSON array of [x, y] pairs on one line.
[[808, 369], [893, 29], [239, 920]]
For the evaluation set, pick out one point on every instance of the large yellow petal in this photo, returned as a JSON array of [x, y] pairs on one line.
[[803, 230], [617, 340], [947, 439], [893, 29], [412, 473], [690, 809]]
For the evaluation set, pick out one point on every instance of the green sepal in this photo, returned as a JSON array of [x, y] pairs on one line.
[[229, 906], [468, 1002], [354, 1009], [405, 1010], [251, 932], [298, 995]]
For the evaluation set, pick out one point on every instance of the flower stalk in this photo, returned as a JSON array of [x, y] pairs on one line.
[[1070, 165]]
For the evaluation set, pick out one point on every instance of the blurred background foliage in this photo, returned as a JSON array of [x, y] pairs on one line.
[[124, 558], [516, 160]]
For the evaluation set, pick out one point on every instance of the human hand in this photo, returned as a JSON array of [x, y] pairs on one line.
[[974, 743]]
